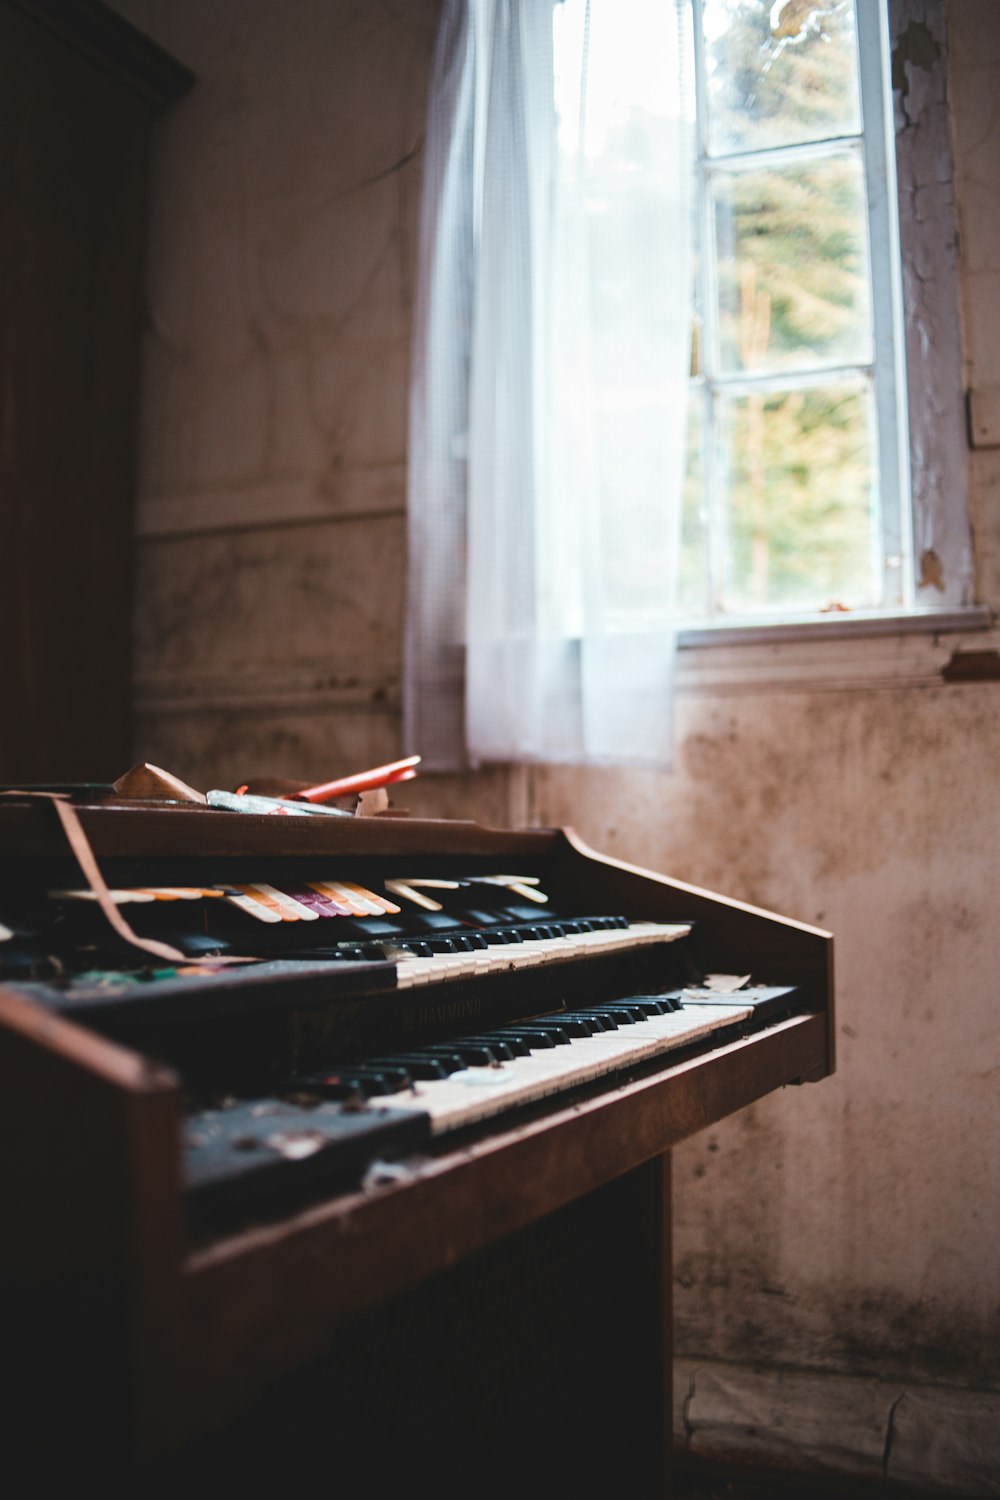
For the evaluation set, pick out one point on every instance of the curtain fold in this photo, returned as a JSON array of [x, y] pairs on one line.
[[549, 377]]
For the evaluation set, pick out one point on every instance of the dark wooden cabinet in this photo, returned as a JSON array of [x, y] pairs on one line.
[[79, 89]]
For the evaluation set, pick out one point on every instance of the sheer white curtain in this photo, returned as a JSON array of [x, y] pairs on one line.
[[549, 379]]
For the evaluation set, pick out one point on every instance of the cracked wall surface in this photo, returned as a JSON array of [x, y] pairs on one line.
[[837, 1276]]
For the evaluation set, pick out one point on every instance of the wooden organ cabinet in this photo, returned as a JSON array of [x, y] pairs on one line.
[[79, 91], [379, 1197]]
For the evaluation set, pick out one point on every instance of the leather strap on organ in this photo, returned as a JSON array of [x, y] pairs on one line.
[[84, 856]]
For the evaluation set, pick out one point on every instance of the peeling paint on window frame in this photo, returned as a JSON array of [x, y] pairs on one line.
[[928, 226]]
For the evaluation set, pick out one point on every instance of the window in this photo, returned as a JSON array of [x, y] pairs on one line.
[[798, 500], [797, 475], [558, 541]]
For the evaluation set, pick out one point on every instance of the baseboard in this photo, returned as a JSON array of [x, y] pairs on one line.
[[936, 1439]]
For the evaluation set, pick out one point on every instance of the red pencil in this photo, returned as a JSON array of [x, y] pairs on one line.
[[363, 781]]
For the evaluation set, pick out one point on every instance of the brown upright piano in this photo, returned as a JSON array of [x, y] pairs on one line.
[[368, 1195]]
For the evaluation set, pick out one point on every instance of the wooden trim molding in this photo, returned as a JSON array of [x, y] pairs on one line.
[[316, 687], [331, 685], [370, 494], [879, 1431]]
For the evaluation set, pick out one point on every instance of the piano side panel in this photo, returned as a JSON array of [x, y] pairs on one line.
[[731, 937], [91, 1234]]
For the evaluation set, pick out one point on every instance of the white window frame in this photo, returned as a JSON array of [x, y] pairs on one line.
[[929, 527]]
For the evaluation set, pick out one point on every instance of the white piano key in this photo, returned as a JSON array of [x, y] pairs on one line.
[[531, 952], [480, 1092]]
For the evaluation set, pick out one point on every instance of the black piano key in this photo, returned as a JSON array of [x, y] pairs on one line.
[[589, 1022], [449, 1054], [556, 1032], [352, 1078], [536, 1037], [672, 1001], [653, 1005], [386, 1079], [444, 1057], [474, 1054], [418, 1065], [499, 1046], [462, 942], [623, 1008], [513, 1040], [570, 1024], [419, 947], [608, 1018]]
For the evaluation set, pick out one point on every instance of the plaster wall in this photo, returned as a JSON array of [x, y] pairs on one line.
[[837, 1265]]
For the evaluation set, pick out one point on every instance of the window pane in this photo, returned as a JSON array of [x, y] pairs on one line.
[[779, 73], [798, 470], [793, 265]]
